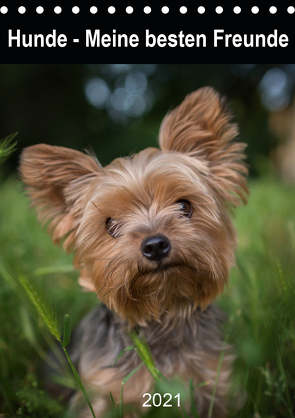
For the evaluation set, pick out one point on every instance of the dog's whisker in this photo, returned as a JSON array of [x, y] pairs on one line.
[[119, 264], [107, 293], [100, 289], [108, 264], [102, 259], [96, 206]]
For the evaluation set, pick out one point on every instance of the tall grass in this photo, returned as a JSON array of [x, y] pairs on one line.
[[260, 302], [7, 147]]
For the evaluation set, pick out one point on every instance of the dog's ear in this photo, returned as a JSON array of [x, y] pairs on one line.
[[58, 180], [200, 127]]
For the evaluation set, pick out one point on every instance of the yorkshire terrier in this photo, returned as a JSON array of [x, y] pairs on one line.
[[152, 236]]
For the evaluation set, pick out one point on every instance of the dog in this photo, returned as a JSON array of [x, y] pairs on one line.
[[153, 237]]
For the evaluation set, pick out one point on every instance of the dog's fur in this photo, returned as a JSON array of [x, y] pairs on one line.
[[167, 299]]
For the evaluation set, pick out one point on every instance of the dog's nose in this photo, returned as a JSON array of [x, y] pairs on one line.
[[155, 248]]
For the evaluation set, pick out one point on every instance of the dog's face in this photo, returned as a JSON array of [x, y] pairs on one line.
[[151, 232]]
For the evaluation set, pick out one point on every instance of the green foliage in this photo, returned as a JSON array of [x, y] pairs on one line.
[[41, 307], [7, 147], [66, 331], [35, 403], [260, 301]]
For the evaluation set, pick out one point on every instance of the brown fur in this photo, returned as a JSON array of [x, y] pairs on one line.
[[198, 162]]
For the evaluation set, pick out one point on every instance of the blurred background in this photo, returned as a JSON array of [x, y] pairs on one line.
[[116, 110]]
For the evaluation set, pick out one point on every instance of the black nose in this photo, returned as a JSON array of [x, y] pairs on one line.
[[155, 248]]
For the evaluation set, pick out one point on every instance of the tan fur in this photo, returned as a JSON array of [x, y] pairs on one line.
[[197, 161]]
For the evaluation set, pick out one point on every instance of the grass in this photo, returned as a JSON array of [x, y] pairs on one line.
[[260, 302], [7, 147]]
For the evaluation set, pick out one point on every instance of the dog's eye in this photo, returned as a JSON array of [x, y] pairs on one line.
[[185, 207], [113, 227]]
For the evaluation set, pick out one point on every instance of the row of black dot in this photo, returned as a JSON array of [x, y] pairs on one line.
[[147, 9]]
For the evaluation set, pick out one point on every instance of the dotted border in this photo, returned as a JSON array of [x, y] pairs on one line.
[[147, 10]]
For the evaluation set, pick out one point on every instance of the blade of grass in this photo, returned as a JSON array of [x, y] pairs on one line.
[[122, 386], [27, 325], [51, 323], [79, 381], [185, 414], [132, 373], [65, 381], [42, 271], [67, 331], [7, 147], [123, 351], [112, 399], [194, 411], [41, 306], [200, 385], [289, 405], [145, 354], [114, 415], [291, 335], [216, 384]]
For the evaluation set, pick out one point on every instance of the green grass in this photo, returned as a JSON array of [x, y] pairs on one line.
[[260, 302]]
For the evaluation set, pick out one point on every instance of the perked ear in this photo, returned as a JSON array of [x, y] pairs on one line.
[[200, 127], [57, 181]]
